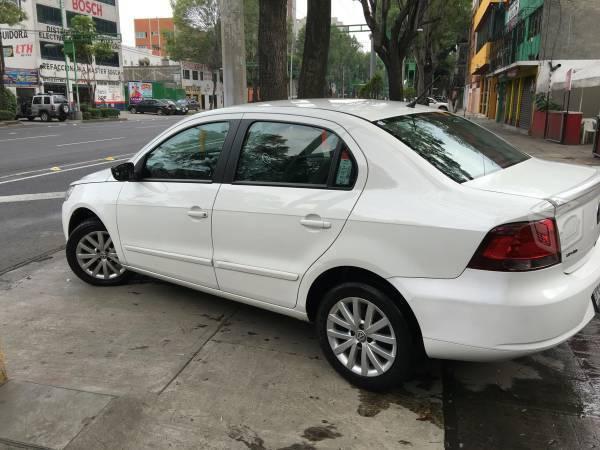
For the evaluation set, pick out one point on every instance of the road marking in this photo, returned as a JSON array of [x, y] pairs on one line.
[[61, 171], [29, 137], [67, 165], [55, 168], [31, 197], [90, 142]]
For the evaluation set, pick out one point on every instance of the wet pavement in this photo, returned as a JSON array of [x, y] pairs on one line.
[[549, 400]]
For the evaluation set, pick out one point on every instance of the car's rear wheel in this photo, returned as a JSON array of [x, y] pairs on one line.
[[30, 118], [92, 256], [364, 336], [45, 116], [160, 112], [132, 110], [62, 118]]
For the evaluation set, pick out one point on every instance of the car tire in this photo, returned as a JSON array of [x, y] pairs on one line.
[[443, 108], [30, 118], [352, 343], [45, 117], [62, 118], [160, 112], [132, 110], [92, 257]]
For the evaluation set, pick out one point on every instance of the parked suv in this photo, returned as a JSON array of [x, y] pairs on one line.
[[151, 105], [46, 107]]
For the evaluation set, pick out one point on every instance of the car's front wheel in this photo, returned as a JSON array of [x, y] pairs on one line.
[[45, 116], [92, 256], [364, 336]]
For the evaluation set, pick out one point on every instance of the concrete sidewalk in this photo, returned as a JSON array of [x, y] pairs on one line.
[[574, 154], [151, 365]]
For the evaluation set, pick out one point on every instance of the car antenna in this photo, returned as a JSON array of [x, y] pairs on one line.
[[422, 94]]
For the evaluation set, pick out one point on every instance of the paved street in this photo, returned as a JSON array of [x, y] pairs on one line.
[[152, 365], [39, 158]]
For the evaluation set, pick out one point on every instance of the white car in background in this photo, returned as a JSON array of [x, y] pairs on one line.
[[433, 103], [394, 229]]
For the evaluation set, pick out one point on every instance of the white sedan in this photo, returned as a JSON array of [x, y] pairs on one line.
[[394, 229]]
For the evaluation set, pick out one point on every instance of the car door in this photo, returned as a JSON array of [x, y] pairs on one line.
[[164, 218], [289, 188]]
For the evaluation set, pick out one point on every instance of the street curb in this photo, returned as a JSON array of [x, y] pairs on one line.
[[120, 119], [10, 123]]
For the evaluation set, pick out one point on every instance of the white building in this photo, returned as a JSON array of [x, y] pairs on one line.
[[35, 61], [133, 56], [197, 81]]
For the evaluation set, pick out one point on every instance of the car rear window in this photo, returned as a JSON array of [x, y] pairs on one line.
[[455, 146], [60, 99]]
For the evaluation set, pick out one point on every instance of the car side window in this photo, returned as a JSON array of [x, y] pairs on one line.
[[46, 100], [275, 152], [37, 100], [191, 154]]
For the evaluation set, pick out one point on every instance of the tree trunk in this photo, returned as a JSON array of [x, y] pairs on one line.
[[313, 72], [394, 72], [272, 49]]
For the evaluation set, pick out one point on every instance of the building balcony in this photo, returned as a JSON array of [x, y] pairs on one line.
[[481, 60], [481, 11]]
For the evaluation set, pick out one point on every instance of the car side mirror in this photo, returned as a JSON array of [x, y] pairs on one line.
[[124, 172]]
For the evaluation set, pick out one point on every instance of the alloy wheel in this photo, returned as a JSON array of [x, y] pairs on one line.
[[96, 255], [361, 336]]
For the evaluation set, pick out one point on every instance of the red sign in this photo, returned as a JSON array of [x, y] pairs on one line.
[[86, 6], [24, 49]]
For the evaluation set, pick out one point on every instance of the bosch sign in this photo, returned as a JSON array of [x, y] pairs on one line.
[[88, 7]]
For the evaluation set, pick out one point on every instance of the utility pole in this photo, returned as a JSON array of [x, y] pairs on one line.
[[234, 52], [63, 14]]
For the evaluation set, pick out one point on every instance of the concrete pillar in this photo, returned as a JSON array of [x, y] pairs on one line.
[[234, 52]]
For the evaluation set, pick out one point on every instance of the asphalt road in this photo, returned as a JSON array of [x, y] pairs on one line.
[[43, 158]]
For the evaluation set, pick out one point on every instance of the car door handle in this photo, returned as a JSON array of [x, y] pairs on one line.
[[315, 223], [197, 213]]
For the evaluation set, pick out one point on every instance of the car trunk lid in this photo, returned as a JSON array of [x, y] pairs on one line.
[[573, 190]]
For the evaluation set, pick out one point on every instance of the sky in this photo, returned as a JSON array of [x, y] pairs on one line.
[[347, 11]]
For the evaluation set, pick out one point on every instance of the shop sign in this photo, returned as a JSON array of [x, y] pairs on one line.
[[139, 91], [20, 77], [109, 93], [87, 7]]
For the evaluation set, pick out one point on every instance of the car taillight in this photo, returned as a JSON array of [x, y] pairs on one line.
[[519, 247]]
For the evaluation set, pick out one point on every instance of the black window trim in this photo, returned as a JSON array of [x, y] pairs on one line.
[[234, 159], [221, 163]]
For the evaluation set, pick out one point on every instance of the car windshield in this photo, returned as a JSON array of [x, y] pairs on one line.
[[456, 147]]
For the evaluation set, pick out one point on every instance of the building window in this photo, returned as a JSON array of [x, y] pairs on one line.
[[194, 75], [140, 35], [535, 23], [155, 33], [202, 75], [112, 60], [105, 26], [52, 50], [186, 74], [107, 2], [48, 15], [156, 47]]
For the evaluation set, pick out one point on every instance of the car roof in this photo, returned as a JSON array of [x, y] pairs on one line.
[[370, 110]]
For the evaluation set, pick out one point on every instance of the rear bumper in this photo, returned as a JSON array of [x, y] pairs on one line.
[[484, 315]]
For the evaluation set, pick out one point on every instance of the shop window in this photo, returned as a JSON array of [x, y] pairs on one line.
[[52, 50]]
